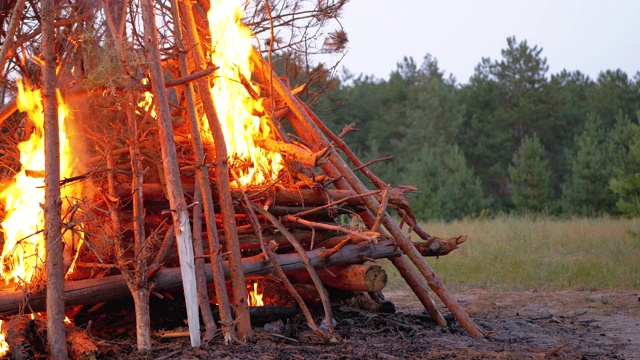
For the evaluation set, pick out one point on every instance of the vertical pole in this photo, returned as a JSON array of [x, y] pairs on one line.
[[56, 337], [175, 194]]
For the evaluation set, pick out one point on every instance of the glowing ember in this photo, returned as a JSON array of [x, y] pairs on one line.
[[23, 255], [254, 298], [4, 347], [236, 108]]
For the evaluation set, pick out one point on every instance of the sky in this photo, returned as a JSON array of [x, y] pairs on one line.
[[586, 35]]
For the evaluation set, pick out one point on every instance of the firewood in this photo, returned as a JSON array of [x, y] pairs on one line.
[[306, 124], [438, 246], [290, 196], [367, 278], [172, 177], [114, 287], [79, 345], [20, 333]]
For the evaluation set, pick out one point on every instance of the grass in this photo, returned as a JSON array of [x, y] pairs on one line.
[[538, 253]]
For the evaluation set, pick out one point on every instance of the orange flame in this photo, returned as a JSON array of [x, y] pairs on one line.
[[253, 297], [23, 253], [235, 107]]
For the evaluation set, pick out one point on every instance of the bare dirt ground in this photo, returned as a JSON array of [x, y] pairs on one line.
[[518, 324]]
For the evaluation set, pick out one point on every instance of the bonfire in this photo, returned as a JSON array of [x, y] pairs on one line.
[[197, 167]]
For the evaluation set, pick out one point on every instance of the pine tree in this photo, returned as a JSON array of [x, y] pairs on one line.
[[448, 188], [530, 177], [586, 192], [626, 183]]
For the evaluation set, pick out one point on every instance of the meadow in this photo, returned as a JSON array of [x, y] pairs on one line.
[[528, 253]]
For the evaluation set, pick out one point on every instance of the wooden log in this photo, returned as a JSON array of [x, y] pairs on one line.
[[358, 277], [79, 345], [114, 287], [438, 246], [291, 196], [20, 333]]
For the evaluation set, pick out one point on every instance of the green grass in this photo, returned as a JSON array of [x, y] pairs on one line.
[[540, 253]]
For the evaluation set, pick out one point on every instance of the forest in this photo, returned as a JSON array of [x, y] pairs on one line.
[[514, 139]]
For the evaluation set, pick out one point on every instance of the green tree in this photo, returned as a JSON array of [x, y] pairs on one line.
[[447, 187], [614, 92], [626, 183], [586, 191], [507, 102], [530, 177], [483, 137]]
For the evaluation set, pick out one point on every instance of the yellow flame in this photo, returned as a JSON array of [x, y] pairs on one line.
[[4, 347], [23, 254], [254, 298], [235, 107]]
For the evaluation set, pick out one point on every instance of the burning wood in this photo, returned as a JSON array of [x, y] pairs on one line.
[[155, 169]]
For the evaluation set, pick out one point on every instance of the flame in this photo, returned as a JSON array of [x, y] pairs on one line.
[[4, 347], [253, 297], [23, 254], [235, 106]]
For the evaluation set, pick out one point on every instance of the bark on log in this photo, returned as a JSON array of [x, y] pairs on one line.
[[114, 287], [359, 277], [20, 333], [293, 196], [79, 345], [439, 247]]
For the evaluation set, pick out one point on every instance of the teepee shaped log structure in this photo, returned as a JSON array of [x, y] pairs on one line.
[[157, 171]]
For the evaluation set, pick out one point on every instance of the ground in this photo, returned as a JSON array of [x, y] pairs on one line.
[[518, 325]]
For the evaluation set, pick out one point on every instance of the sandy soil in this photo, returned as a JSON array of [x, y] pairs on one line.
[[518, 325]]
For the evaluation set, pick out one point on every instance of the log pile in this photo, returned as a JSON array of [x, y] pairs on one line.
[[164, 210]]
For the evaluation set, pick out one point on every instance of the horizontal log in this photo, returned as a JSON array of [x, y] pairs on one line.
[[114, 287], [357, 277], [292, 196]]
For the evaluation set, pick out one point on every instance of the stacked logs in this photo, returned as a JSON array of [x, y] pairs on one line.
[[282, 229], [293, 229]]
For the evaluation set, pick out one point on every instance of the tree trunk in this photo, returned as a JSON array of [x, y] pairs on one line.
[[143, 320], [139, 286], [179, 211], [56, 338]]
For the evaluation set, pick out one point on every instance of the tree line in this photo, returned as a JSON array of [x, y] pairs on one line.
[[514, 139]]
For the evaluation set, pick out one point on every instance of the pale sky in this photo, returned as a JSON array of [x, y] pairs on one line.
[[585, 35]]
